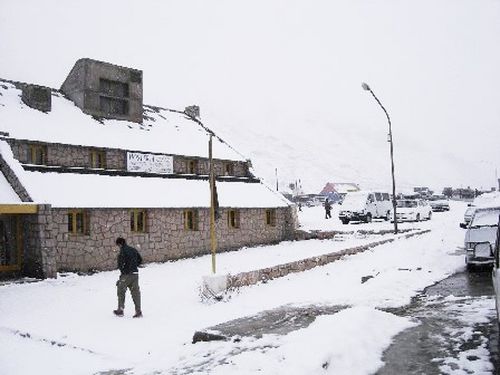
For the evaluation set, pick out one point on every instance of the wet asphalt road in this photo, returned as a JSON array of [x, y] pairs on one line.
[[447, 338]]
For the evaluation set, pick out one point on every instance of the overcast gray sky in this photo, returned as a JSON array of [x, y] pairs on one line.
[[433, 63]]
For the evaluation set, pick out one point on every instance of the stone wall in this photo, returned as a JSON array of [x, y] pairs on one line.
[[281, 270], [165, 238], [79, 156], [39, 244]]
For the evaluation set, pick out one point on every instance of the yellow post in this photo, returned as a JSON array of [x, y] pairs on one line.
[[213, 239]]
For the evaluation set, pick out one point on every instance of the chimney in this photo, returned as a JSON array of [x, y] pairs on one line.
[[37, 97], [105, 90], [192, 111]]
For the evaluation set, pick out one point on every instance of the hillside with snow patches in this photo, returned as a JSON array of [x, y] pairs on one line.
[[281, 80], [316, 153]]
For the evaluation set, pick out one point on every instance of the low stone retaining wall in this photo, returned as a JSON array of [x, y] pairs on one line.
[[265, 274], [301, 235]]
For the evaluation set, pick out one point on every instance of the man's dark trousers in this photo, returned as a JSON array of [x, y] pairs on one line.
[[130, 281]]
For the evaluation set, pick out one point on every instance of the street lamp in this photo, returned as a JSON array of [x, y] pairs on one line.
[[367, 88]]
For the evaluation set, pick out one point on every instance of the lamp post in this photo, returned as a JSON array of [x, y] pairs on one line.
[[367, 88]]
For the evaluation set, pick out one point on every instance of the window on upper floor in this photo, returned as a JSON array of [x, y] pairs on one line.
[[97, 159], [228, 169], [192, 166], [78, 222], [138, 221], [38, 154]]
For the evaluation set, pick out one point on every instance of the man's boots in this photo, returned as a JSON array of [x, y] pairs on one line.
[[118, 312]]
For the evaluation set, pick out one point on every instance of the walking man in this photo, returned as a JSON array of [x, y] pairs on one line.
[[128, 261], [328, 209]]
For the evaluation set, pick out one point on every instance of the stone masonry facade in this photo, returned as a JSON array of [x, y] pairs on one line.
[[50, 247], [165, 238], [62, 155], [39, 244]]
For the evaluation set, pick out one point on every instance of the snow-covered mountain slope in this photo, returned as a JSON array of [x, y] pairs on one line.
[[317, 152], [281, 80]]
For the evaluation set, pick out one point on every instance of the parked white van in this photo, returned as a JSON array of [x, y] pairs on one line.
[[480, 237], [365, 206]]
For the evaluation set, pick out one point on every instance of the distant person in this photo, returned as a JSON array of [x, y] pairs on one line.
[[300, 206], [128, 261], [328, 209]]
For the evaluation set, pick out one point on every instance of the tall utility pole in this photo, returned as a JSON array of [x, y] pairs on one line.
[[213, 239], [367, 88]]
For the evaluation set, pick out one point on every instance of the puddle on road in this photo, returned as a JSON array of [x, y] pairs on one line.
[[278, 321], [457, 333]]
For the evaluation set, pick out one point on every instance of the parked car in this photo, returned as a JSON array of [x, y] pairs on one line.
[[480, 237], [496, 271], [469, 212], [365, 206], [439, 203], [413, 210]]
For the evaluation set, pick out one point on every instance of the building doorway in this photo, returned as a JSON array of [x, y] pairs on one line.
[[11, 251]]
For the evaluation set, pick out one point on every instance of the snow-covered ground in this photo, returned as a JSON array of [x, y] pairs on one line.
[[66, 325]]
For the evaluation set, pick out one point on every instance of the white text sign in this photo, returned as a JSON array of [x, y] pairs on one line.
[[151, 163]]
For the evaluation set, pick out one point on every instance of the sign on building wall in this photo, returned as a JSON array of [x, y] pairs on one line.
[[139, 162]]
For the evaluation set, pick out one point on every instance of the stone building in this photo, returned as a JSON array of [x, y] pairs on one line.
[[90, 162]]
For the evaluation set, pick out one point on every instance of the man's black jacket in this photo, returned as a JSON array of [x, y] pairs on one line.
[[128, 259]]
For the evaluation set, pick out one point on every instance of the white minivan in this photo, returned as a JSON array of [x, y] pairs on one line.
[[480, 237], [365, 206]]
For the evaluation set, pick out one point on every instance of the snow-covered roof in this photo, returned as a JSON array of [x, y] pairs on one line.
[[93, 190], [339, 187], [65, 190], [345, 187], [162, 130]]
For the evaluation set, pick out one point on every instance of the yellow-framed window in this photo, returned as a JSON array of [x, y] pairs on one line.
[[38, 154], [97, 159], [271, 217], [233, 219], [78, 222], [191, 219], [138, 221], [192, 166]]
